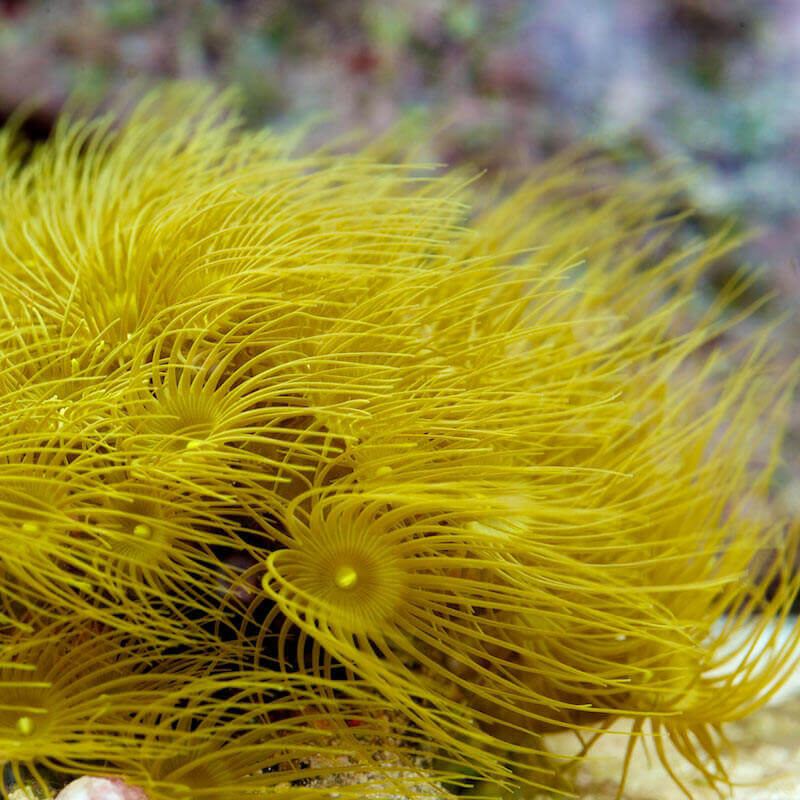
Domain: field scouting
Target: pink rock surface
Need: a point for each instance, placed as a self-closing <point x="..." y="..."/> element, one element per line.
<point x="91" y="788"/>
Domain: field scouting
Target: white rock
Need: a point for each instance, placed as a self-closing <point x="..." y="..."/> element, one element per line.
<point x="91" y="788"/>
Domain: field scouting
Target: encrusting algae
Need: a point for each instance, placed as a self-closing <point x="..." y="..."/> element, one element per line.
<point x="310" y="456"/>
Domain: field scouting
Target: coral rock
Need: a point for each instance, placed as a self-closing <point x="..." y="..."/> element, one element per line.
<point x="92" y="788"/>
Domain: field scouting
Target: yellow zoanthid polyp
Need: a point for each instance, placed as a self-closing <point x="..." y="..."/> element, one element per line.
<point x="70" y="692"/>
<point x="338" y="459"/>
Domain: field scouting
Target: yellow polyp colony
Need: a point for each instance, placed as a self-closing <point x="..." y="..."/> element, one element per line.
<point x="313" y="464"/>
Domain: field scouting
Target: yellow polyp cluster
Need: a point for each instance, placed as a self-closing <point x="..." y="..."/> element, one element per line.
<point x="308" y="459"/>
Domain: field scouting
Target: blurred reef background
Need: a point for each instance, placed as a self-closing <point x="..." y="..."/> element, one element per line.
<point x="714" y="81"/>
